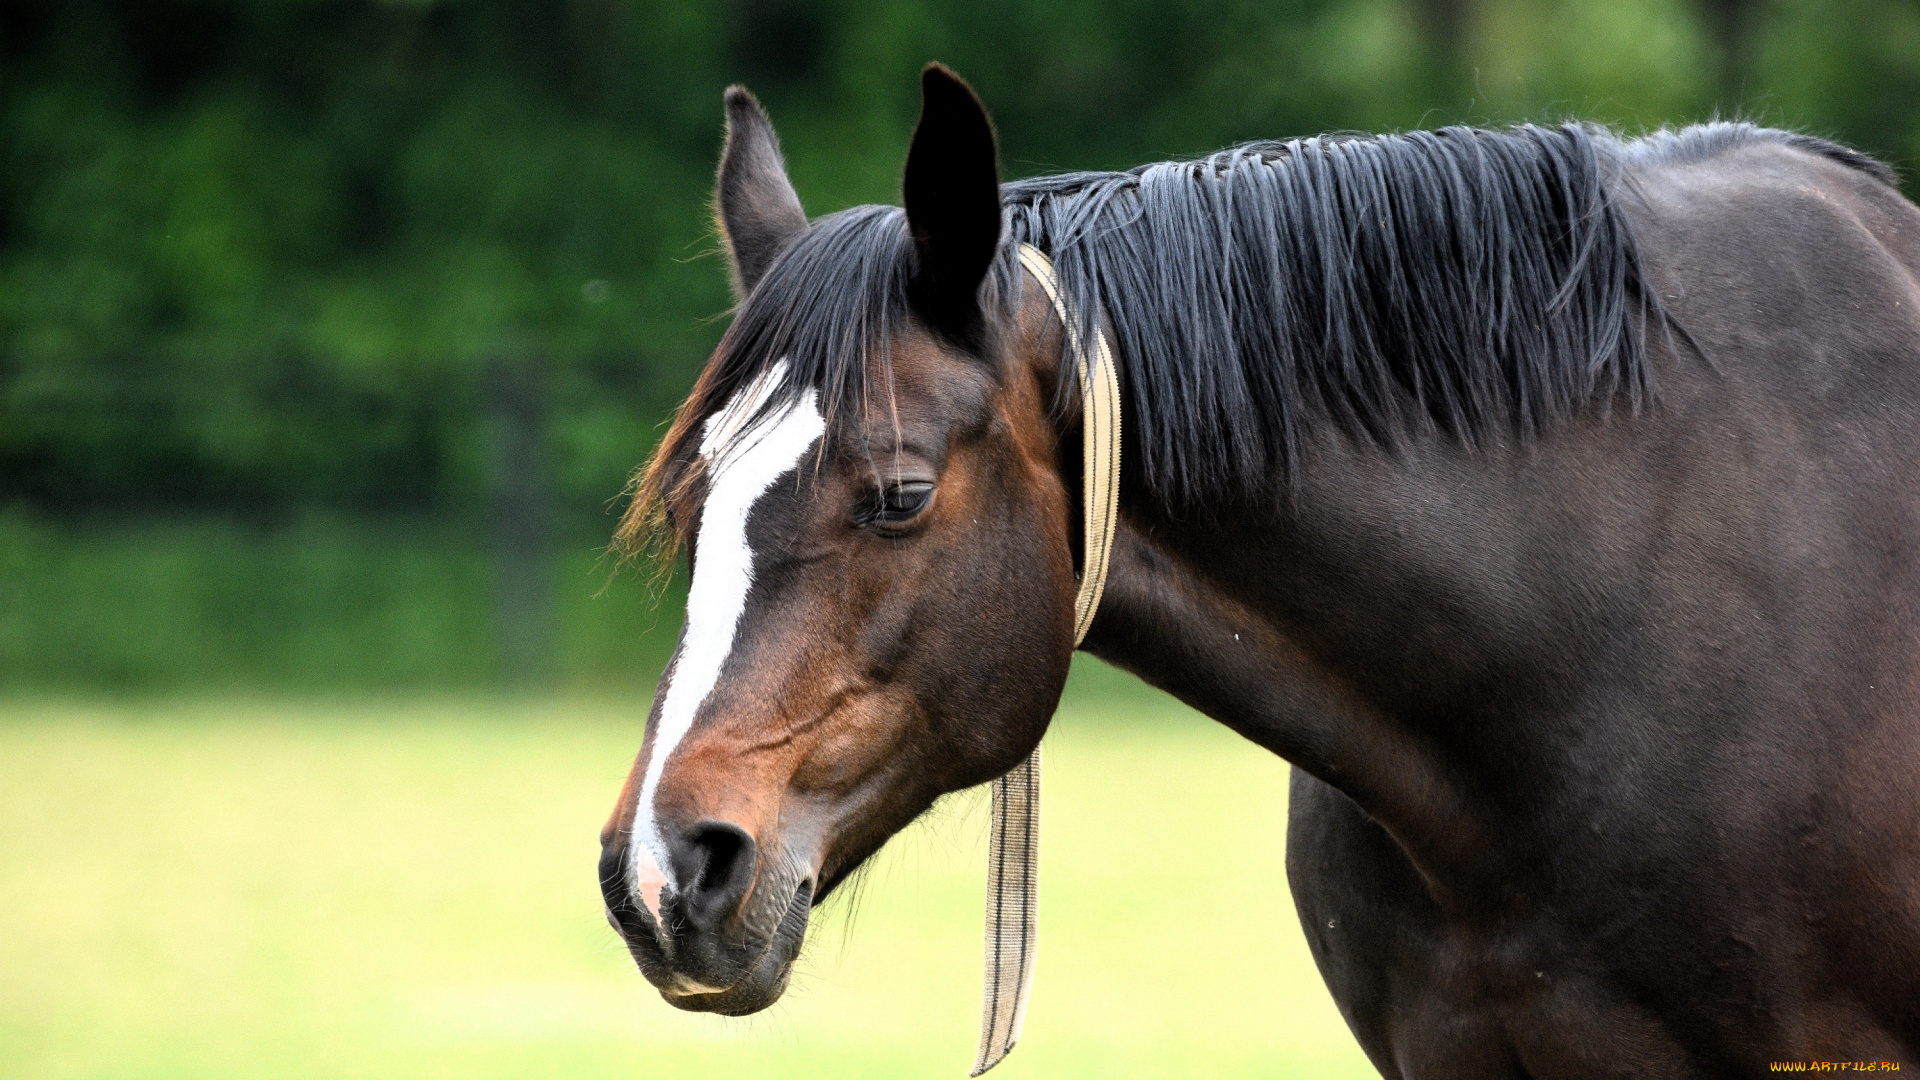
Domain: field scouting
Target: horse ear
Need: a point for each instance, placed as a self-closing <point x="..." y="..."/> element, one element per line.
<point x="754" y="203"/>
<point x="951" y="188"/>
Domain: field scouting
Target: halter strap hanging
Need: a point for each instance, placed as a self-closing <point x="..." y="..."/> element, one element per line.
<point x="1013" y="855"/>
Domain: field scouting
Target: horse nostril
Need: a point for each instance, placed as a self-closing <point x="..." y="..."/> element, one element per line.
<point x="714" y="862"/>
<point x="723" y="847"/>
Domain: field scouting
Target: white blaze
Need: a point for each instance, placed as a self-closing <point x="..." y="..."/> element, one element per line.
<point x="742" y="464"/>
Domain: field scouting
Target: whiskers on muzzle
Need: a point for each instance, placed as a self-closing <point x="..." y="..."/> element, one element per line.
<point x="649" y="942"/>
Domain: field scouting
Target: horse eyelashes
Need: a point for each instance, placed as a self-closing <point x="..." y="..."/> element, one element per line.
<point x="896" y="504"/>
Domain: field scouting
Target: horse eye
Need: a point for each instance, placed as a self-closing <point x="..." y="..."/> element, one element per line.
<point x="899" y="503"/>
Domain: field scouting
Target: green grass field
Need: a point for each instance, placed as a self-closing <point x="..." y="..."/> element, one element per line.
<point x="272" y="888"/>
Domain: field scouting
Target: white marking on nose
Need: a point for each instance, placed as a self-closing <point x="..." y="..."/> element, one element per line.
<point x="743" y="462"/>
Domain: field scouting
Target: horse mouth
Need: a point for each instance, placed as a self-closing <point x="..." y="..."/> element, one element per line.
<point x="764" y="979"/>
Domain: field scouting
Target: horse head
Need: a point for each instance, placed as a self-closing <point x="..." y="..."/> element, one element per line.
<point x="869" y="483"/>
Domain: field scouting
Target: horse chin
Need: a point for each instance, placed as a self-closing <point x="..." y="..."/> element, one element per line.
<point x="748" y="996"/>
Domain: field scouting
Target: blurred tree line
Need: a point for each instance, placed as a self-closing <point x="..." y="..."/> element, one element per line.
<point x="403" y="288"/>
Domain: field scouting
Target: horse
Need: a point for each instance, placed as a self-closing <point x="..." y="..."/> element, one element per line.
<point x="1548" y="498"/>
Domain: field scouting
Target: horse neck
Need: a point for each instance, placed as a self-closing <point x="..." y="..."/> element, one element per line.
<point x="1376" y="626"/>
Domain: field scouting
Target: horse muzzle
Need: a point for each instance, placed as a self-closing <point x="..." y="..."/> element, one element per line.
<point x="729" y="922"/>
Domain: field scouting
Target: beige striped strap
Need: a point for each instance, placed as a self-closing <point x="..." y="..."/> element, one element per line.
<point x="1013" y="871"/>
<point x="1100" y="441"/>
<point x="1013" y="855"/>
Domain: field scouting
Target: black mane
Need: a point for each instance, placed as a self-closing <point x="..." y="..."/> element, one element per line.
<point x="1471" y="278"/>
<point x="1476" y="281"/>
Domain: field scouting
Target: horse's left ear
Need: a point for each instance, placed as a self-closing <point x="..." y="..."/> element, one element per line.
<point x="952" y="192"/>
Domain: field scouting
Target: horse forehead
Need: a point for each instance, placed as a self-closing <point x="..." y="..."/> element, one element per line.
<point x="920" y="410"/>
<point x="928" y="394"/>
<point x="745" y="421"/>
<point x="938" y="381"/>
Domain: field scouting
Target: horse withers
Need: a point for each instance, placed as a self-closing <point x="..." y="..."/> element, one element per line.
<point x="1550" y="501"/>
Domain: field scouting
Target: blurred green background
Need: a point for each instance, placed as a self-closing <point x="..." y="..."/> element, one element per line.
<point x="330" y="331"/>
<point x="222" y="889"/>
